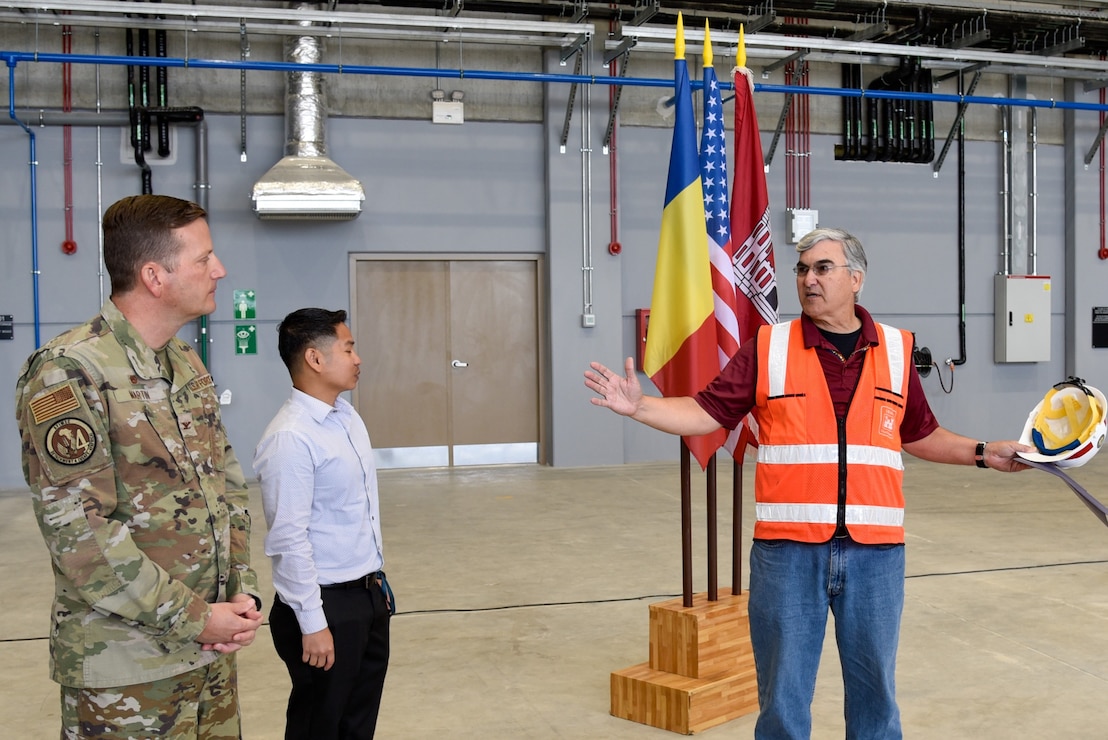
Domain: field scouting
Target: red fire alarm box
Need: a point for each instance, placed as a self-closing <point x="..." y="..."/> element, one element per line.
<point x="642" y="323"/>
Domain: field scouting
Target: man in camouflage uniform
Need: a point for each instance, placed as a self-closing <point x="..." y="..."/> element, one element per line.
<point x="139" y="497"/>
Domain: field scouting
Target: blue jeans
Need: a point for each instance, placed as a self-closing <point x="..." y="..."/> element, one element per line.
<point x="792" y="585"/>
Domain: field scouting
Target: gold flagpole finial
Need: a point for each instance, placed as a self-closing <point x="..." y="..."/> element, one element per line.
<point x="679" y="41"/>
<point x="707" y="45"/>
<point x="740" y="55"/>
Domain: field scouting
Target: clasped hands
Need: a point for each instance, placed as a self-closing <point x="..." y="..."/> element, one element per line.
<point x="232" y="625"/>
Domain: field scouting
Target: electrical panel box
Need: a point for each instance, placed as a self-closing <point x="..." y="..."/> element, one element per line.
<point x="800" y="221"/>
<point x="448" y="111"/>
<point x="1021" y="307"/>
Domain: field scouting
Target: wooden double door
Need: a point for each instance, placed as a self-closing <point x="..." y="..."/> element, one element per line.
<point x="450" y="354"/>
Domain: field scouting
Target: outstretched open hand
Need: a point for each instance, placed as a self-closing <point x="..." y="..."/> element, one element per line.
<point x="620" y="393"/>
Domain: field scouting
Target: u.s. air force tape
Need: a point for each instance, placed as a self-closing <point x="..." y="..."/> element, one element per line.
<point x="70" y="441"/>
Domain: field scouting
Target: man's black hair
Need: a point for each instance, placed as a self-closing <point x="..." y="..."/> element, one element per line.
<point x="305" y="328"/>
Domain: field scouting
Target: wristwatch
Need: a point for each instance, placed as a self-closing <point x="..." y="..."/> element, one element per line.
<point x="979" y="455"/>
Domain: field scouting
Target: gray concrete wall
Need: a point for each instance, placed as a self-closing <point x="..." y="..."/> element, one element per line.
<point x="500" y="184"/>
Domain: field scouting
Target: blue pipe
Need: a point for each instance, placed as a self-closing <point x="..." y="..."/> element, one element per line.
<point x="14" y="57"/>
<point x="34" y="200"/>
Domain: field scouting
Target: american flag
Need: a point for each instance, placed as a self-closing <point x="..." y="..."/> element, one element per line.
<point x="717" y="221"/>
<point x="717" y="216"/>
<point x="743" y="278"/>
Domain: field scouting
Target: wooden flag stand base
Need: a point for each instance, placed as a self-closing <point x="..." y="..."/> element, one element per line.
<point x="701" y="669"/>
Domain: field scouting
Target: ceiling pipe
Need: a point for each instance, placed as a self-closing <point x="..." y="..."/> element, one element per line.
<point x="212" y="18"/>
<point x="69" y="243"/>
<point x="961" y="123"/>
<point x="231" y="19"/>
<point x="162" y="92"/>
<point x="34" y="202"/>
<point x="15" y="57"/>
<point x="660" y="39"/>
<point x="928" y="132"/>
<point x="1102" y="253"/>
<point x="1002" y="10"/>
<point x="1033" y="226"/>
<point x="850" y="132"/>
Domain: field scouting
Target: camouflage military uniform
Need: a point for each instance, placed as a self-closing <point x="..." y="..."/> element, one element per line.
<point x="139" y="497"/>
<point x="201" y="703"/>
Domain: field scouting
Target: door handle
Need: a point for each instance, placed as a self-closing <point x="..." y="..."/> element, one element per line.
<point x="459" y="363"/>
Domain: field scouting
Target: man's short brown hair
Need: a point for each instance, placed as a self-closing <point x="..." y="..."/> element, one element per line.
<point x="139" y="229"/>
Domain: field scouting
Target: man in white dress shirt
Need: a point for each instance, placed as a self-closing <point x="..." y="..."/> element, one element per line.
<point x="330" y="620"/>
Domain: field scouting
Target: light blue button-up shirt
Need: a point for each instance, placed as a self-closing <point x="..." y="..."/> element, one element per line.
<point x="319" y="492"/>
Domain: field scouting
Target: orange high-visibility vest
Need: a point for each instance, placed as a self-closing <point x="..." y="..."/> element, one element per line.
<point x="810" y="469"/>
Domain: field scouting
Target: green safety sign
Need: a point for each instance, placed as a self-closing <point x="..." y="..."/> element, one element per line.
<point x="246" y="339"/>
<point x="244" y="305"/>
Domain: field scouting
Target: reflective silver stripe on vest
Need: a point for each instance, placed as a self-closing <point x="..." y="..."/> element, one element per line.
<point x="778" y="357"/>
<point x="879" y="516"/>
<point x="829" y="454"/>
<point x="895" y="351"/>
<point x="892" y="338"/>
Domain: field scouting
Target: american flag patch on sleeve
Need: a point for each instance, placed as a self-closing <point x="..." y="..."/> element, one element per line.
<point x="55" y="403"/>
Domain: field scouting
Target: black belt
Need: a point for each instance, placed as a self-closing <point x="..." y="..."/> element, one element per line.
<point x="367" y="581"/>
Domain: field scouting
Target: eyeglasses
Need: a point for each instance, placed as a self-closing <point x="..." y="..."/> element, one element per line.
<point x="821" y="269"/>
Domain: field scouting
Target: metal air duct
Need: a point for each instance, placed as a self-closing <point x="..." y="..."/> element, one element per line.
<point x="306" y="185"/>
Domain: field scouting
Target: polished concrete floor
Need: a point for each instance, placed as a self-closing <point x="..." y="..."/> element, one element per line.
<point x="522" y="588"/>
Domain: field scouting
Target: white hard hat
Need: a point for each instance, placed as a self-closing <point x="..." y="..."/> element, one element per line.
<point x="1068" y="426"/>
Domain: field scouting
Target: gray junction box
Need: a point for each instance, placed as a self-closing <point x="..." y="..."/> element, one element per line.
<point x="1021" y="306"/>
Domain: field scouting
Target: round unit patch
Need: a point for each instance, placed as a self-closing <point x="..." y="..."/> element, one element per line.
<point x="70" y="441"/>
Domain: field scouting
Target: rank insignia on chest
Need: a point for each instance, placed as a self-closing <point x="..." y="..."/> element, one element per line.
<point x="186" y="424"/>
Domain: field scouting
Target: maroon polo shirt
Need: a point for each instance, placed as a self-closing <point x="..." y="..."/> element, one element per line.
<point x="730" y="397"/>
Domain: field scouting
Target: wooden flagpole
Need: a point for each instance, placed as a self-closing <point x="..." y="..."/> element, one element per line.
<point x="736" y="527"/>
<point x="686" y="527"/>
<point x="713" y="539"/>
<point x="701" y="668"/>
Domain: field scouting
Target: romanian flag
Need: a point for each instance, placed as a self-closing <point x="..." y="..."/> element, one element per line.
<point x="681" y="354"/>
<point x="752" y="244"/>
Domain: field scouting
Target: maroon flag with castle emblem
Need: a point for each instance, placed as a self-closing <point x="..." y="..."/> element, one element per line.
<point x="752" y="263"/>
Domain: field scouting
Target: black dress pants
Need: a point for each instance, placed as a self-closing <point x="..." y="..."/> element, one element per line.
<point x="342" y="703"/>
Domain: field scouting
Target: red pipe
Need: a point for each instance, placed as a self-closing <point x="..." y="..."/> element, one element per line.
<point x="614" y="247"/>
<point x="69" y="246"/>
<point x="806" y="135"/>
<point x="798" y="179"/>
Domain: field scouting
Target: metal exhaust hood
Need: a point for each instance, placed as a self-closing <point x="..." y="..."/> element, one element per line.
<point x="308" y="189"/>
<point x="306" y="185"/>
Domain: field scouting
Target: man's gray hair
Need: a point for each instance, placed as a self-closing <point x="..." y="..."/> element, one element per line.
<point x="852" y="248"/>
